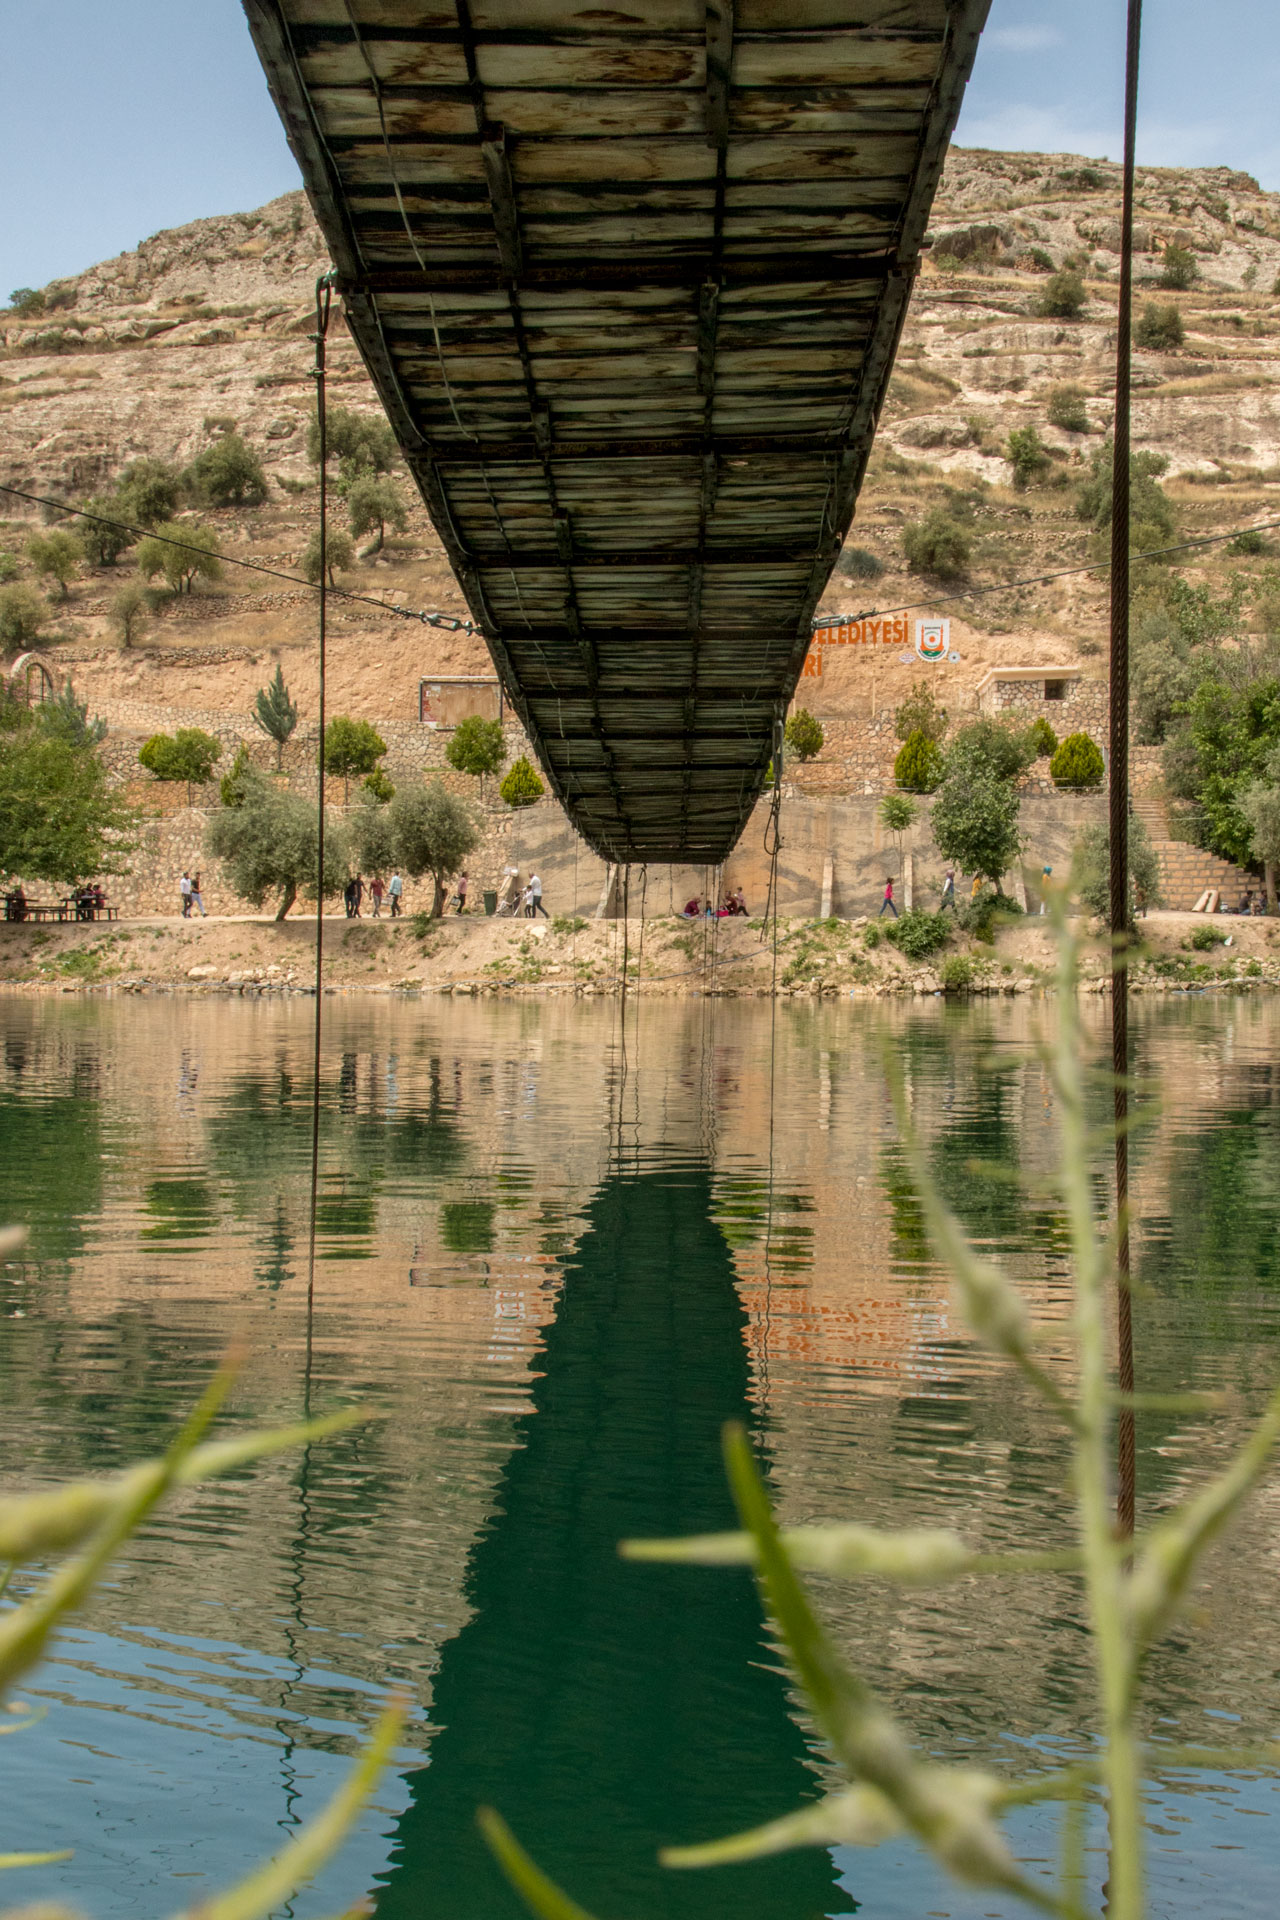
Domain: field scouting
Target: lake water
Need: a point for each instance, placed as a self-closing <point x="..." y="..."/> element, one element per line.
<point x="557" y="1273"/>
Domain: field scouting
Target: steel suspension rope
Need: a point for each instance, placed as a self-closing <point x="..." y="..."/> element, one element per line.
<point x="1118" y="797"/>
<point x="324" y="296"/>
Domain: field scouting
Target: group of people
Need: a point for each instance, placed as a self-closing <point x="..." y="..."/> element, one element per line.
<point x="189" y="893"/>
<point x="732" y="906"/>
<point x="378" y="890"/>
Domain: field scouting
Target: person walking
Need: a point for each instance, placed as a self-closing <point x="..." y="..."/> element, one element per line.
<point x="1046" y="875"/>
<point x="395" y="890"/>
<point x="535" y="898"/>
<point x="376" y="891"/>
<point x="184" y="891"/>
<point x="196" y="900"/>
<point x="888" y="901"/>
<point x="460" y="896"/>
<point x="948" y="891"/>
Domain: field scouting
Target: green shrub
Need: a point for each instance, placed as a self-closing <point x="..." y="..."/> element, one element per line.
<point x="1091" y="869"/>
<point x="1178" y="267"/>
<point x="9" y="568"/>
<point x="23" y="615"/>
<point x="1204" y="938"/>
<point x="920" y="713"/>
<point x="567" y="924"/>
<point x="233" y="786"/>
<point x="102" y="542"/>
<point x="55" y="556"/>
<point x="1159" y="329"/>
<point x="1025" y="453"/>
<point x="1151" y="517"/>
<point x="990" y="746"/>
<point x="187" y="756"/>
<point x="26" y="301"/>
<point x="918" y="934"/>
<point x="182" y="552"/>
<point x="148" y="492"/>
<point x="1077" y="762"/>
<point x="918" y="766"/>
<point x="339" y="554"/>
<point x="980" y="912"/>
<point x="1042" y="738"/>
<point x="522" y="786"/>
<point x="871" y="936"/>
<point x="1064" y="296"/>
<point x="477" y="747"/>
<point x="1040" y="260"/>
<point x="374" y="504"/>
<point x="378" y="786"/>
<point x="1249" y="540"/>
<point x="956" y="973"/>
<point x="352" y="748"/>
<point x="1067" y="409"/>
<point x="227" y="474"/>
<point x="859" y="563"/>
<point x="937" y="545"/>
<point x="803" y="735"/>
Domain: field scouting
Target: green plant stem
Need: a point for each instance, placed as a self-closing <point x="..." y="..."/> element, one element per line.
<point x="1105" y="1578"/>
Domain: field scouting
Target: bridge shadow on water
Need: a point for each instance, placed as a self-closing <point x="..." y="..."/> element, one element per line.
<point x="607" y="1708"/>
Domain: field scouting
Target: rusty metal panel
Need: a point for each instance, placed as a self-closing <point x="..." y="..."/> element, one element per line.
<point x="629" y="283"/>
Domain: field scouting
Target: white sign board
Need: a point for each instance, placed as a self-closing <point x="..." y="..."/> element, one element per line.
<point x="933" y="639"/>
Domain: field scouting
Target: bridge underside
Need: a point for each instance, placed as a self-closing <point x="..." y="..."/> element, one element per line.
<point x="629" y="281"/>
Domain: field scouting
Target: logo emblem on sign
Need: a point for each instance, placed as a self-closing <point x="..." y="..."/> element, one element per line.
<point x="933" y="639"/>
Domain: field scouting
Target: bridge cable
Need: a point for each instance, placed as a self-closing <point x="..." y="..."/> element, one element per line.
<point x="773" y="834"/>
<point x="1119" y="799"/>
<point x="324" y="295"/>
<point x="1039" y="579"/>
<point x="454" y="623"/>
<point x="450" y="622"/>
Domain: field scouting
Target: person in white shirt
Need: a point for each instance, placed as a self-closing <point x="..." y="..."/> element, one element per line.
<point x="184" y="888"/>
<point x="535" y="898"/>
<point x="394" y="891"/>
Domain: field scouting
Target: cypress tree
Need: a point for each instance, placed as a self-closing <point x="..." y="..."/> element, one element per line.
<point x="276" y="714"/>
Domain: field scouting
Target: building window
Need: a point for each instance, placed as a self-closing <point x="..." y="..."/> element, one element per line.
<point x="1055" y="689"/>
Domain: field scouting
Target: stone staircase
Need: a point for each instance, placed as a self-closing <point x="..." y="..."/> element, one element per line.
<point x="1185" y="871"/>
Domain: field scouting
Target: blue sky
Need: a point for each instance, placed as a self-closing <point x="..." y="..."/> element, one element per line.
<point x="119" y="117"/>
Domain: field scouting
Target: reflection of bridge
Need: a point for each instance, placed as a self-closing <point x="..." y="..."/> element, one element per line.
<point x="629" y="281"/>
<point x="605" y="1707"/>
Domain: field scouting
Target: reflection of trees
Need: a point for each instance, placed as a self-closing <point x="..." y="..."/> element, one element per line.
<point x="51" y="1169"/>
<point x="606" y="1707"/>
<point x="259" y="1141"/>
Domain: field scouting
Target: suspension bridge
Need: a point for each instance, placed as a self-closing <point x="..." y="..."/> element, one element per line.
<point x="629" y="280"/>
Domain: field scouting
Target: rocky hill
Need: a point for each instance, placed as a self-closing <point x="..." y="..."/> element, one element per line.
<point x="204" y="329"/>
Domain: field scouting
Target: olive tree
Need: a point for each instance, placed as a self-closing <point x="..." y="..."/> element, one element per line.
<point x="182" y="552"/>
<point x="422" y="829"/>
<point x="267" y="843"/>
<point x="975" y="821"/>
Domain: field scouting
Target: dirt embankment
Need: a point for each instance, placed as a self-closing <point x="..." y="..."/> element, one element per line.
<point x="663" y="958"/>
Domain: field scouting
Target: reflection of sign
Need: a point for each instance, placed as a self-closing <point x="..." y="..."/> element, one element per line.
<point x="933" y="639"/>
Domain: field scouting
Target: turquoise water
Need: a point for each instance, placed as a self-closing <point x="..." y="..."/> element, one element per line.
<point x="556" y="1272"/>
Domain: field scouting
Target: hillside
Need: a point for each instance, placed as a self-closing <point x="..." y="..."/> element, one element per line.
<point x="206" y="327"/>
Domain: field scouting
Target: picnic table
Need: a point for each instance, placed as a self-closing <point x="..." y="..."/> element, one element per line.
<point x="63" y="910"/>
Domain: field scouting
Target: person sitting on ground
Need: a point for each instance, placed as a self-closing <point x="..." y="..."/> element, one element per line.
<point x="726" y="907"/>
<point x="888" y="901"/>
<point x="1259" y="904"/>
<point x="1245" y="902"/>
<point x="692" y="909"/>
